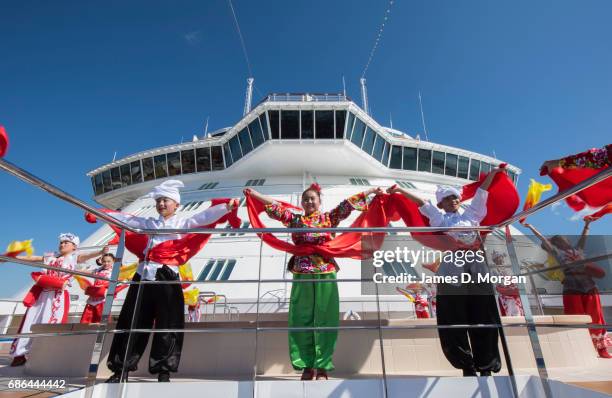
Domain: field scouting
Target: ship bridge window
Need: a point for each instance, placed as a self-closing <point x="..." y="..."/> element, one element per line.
<point x="290" y="125"/>
<point x="340" y="119"/>
<point x="438" y="162"/>
<point x="245" y="141"/>
<point x="485" y="167"/>
<point x="256" y="133"/>
<point x="307" y="119"/>
<point x="208" y="185"/>
<point x="116" y="177"/>
<point x="349" y="126"/>
<point x="188" y="164"/>
<point x="203" y="159"/>
<point x="221" y="269"/>
<point x="99" y="187"/>
<point x="106" y="181"/>
<point x="234" y="145"/>
<point x="255" y="183"/>
<point x="264" y="125"/>
<point x="325" y="124"/>
<point x="425" y="160"/>
<point x="386" y="154"/>
<point x="227" y="271"/>
<point x="126" y="179"/>
<point x="450" y="169"/>
<point x="379" y="147"/>
<point x="245" y="224"/>
<point x="217" y="158"/>
<point x="161" y="166"/>
<point x="396" y="157"/>
<point x="474" y="169"/>
<point x="410" y="159"/>
<point x="358" y="131"/>
<point x="174" y="163"/>
<point x="359" y="181"/>
<point x="368" y="141"/>
<point x="274" y="124"/>
<point x="228" y="155"/>
<point x="405" y="184"/>
<point x="136" y="172"/>
<point x="512" y="176"/>
<point x="463" y="167"/>
<point x="147" y="169"/>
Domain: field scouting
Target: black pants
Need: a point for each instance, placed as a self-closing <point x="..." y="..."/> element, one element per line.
<point x="474" y="348"/>
<point x="161" y="305"/>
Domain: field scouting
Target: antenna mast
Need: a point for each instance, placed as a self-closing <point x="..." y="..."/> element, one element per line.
<point x="249" y="96"/>
<point x="423" y="118"/>
<point x="364" y="95"/>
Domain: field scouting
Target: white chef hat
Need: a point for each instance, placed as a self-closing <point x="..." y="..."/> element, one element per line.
<point x="69" y="237"/>
<point x="167" y="189"/>
<point x="444" y="191"/>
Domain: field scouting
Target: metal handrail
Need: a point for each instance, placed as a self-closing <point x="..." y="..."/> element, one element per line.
<point x="45" y="186"/>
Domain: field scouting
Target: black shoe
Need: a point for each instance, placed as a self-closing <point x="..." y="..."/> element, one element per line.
<point x="115" y="378"/>
<point x="19" y="360"/>
<point x="485" y="373"/>
<point x="469" y="372"/>
<point x="163" y="376"/>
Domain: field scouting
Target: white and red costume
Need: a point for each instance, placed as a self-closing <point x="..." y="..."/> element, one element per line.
<point x="96" y="293"/>
<point x="48" y="300"/>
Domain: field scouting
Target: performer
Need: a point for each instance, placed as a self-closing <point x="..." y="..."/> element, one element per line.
<point x="95" y="302"/>
<point x="313" y="304"/>
<point x="508" y="299"/>
<point x="580" y="293"/>
<point x="474" y="349"/>
<point x="48" y="301"/>
<point x="162" y="305"/>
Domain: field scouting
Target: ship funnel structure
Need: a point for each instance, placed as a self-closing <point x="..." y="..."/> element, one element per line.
<point x="249" y="96"/>
<point x="364" y="95"/>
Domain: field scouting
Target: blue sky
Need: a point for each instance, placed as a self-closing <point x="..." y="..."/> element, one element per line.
<point x="78" y="81"/>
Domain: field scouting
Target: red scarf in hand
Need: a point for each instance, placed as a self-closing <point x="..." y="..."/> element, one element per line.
<point x="596" y="195"/>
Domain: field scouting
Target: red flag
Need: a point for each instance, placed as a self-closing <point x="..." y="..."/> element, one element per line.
<point x="596" y="195"/>
<point x="4" y="141"/>
<point x="607" y="209"/>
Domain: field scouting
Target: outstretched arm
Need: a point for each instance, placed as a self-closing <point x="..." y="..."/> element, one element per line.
<point x="489" y="179"/>
<point x="583" y="236"/>
<point x="266" y="200"/>
<point x="545" y="242"/>
<point x="88" y="256"/>
<point x="397" y="189"/>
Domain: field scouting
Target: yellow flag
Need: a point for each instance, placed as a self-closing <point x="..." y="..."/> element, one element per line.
<point x="191" y="296"/>
<point x="534" y="194"/>
<point x="127" y="271"/>
<point x="185" y="272"/>
<point x="16" y="247"/>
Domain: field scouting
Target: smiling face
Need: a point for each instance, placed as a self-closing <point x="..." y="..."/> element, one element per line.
<point x="107" y="261"/>
<point x="66" y="247"/>
<point x="450" y="204"/>
<point x="310" y="201"/>
<point x="166" y="207"/>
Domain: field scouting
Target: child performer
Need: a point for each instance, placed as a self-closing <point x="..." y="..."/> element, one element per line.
<point x="580" y="293"/>
<point x="162" y="304"/>
<point x="463" y="303"/>
<point x="95" y="303"/>
<point x="48" y="301"/>
<point x="313" y="304"/>
<point x="508" y="299"/>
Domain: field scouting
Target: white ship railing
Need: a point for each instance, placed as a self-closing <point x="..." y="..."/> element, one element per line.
<point x="104" y="328"/>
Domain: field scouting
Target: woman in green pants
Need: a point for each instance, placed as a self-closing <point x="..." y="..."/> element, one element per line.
<point x="313" y="304"/>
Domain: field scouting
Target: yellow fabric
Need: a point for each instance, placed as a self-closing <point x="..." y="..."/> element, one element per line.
<point x="191" y="296"/>
<point x="16" y="247"/>
<point x="127" y="271"/>
<point x="185" y="272"/>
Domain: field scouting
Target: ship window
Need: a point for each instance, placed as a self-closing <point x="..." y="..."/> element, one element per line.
<point x="264" y="125"/>
<point x="197" y="205"/>
<point x="386" y="153"/>
<point x="255" y="183"/>
<point x="235" y="148"/>
<point x="161" y="167"/>
<point x="245" y="224"/>
<point x="216" y="270"/>
<point x="256" y="133"/>
<point x="206" y="270"/>
<point x="379" y="146"/>
<point x="325" y="124"/>
<point x="340" y="119"/>
<point x="405" y="184"/>
<point x="203" y="159"/>
<point x="474" y="169"/>
<point x="485" y="167"/>
<point x="410" y="159"/>
<point x="209" y="185"/>
<point x="512" y="176"/>
<point x="358" y="130"/>
<point x="106" y="180"/>
<point x="136" y="172"/>
<point x="450" y="169"/>
<point x="116" y="177"/>
<point x="231" y="263"/>
<point x="290" y="125"/>
<point x="228" y="155"/>
<point x="98" y="184"/>
<point x="147" y="169"/>
<point x="359" y="181"/>
<point x="396" y="157"/>
<point x="188" y="161"/>
<point x="425" y="160"/>
<point x="245" y="141"/>
<point x="174" y="163"/>
<point x="438" y="162"/>
<point x="463" y="167"/>
<point x="368" y="141"/>
<point x="126" y="179"/>
<point x="274" y="124"/>
<point x="349" y="126"/>
<point x="307" y="125"/>
<point x="217" y="158"/>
